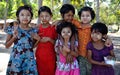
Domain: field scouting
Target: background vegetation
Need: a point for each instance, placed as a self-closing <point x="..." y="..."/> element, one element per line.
<point x="109" y="10"/>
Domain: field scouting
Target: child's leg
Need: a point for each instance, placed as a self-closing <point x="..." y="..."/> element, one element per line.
<point x="85" y="66"/>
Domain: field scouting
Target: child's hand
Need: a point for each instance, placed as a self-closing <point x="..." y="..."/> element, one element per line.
<point x="111" y="58"/>
<point x="108" y="42"/>
<point x="15" y="34"/>
<point x="66" y="49"/>
<point x="45" y="39"/>
<point x="69" y="58"/>
<point x="107" y="65"/>
<point x="35" y="36"/>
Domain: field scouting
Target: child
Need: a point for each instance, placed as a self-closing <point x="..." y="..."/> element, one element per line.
<point x="67" y="12"/>
<point x="66" y="30"/>
<point x="45" y="53"/>
<point x="22" y="60"/>
<point x="86" y="14"/>
<point x="97" y="50"/>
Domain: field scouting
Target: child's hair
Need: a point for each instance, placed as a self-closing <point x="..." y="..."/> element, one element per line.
<point x="100" y="27"/>
<point x="66" y="8"/>
<point x="65" y="24"/>
<point x="44" y="9"/>
<point x="86" y="8"/>
<point x="11" y="24"/>
<point x="25" y="7"/>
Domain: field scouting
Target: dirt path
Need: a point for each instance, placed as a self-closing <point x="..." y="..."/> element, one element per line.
<point x="4" y="53"/>
<point x="116" y="41"/>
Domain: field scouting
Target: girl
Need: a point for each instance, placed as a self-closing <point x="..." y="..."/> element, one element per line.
<point x="45" y="53"/>
<point x="86" y="14"/>
<point x="67" y="12"/>
<point x="97" y="51"/>
<point x="66" y="30"/>
<point x="22" y="60"/>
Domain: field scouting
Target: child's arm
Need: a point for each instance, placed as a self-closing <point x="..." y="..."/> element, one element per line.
<point x="70" y="55"/>
<point x="61" y="49"/>
<point x="9" y="40"/>
<point x="74" y="53"/>
<point x="47" y="39"/>
<point x="65" y="50"/>
<point x="51" y="40"/>
<point x="36" y="37"/>
<point x="112" y="55"/>
<point x="55" y="23"/>
<point x="95" y="62"/>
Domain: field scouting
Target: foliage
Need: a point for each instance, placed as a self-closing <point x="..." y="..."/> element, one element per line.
<point x="78" y="4"/>
<point x="2" y="9"/>
<point x="109" y="9"/>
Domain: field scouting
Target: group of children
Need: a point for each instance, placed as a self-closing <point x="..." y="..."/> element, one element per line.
<point x="74" y="42"/>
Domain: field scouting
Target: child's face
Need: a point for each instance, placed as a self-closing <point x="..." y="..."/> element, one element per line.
<point x="24" y="16"/>
<point x="45" y="17"/>
<point x="68" y="16"/>
<point x="96" y="36"/>
<point x="85" y="17"/>
<point x="66" y="33"/>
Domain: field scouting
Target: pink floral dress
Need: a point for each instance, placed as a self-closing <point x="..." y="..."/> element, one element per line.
<point x="64" y="68"/>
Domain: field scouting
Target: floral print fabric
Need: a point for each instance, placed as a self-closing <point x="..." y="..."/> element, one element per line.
<point x="22" y="60"/>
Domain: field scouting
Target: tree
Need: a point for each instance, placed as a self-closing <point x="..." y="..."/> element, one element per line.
<point x="5" y="16"/>
<point x="40" y="3"/>
<point x="97" y="11"/>
<point x="2" y="9"/>
<point x="66" y="1"/>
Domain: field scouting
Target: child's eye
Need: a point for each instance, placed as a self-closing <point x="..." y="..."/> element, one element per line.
<point x="68" y="31"/>
<point x="22" y="14"/>
<point x="87" y="15"/>
<point x="63" y="32"/>
<point x="41" y="16"/>
<point x="28" y="15"/>
<point x="82" y="15"/>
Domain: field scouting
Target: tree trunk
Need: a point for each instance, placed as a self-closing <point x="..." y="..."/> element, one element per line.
<point x="39" y="5"/>
<point x="66" y="1"/>
<point x="97" y="11"/>
<point x="52" y="5"/>
<point x="5" y="16"/>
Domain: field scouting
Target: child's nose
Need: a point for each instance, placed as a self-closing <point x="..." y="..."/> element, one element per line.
<point x="25" y="16"/>
<point x="44" y="18"/>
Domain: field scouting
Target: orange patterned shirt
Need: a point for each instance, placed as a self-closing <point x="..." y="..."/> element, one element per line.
<point x="84" y="36"/>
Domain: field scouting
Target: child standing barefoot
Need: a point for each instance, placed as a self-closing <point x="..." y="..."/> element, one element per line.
<point x="97" y="51"/>
<point x="22" y="60"/>
<point x="45" y="53"/>
<point x="63" y="46"/>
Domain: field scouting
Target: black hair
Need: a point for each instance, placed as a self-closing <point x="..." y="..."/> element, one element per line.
<point x="11" y="24"/>
<point x="100" y="27"/>
<point x="65" y="24"/>
<point x="44" y="9"/>
<point x="86" y="8"/>
<point x="25" y="7"/>
<point x="66" y="8"/>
